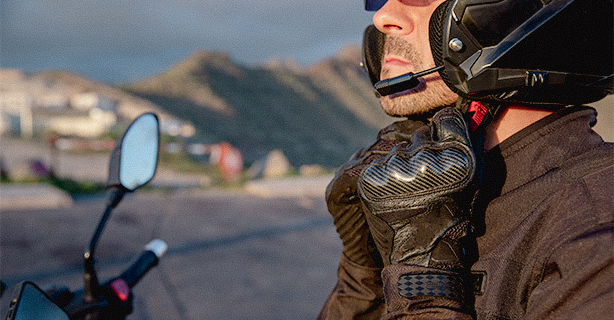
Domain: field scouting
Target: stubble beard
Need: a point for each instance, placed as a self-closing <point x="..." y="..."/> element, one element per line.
<point x="428" y="96"/>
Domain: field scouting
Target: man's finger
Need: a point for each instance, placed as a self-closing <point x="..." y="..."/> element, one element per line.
<point x="449" y="125"/>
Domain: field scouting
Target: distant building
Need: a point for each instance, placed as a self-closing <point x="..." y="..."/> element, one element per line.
<point x="34" y="107"/>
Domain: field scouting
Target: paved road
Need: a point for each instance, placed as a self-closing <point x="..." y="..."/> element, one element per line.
<point x="231" y="255"/>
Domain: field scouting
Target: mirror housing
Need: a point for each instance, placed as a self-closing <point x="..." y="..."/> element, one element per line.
<point x="135" y="156"/>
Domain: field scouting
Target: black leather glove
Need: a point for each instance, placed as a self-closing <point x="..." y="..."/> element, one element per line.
<point x="358" y="293"/>
<point x="344" y="202"/>
<point x="417" y="202"/>
<point x="417" y="195"/>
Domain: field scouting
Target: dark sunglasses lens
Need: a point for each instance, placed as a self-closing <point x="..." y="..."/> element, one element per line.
<point x="374" y="5"/>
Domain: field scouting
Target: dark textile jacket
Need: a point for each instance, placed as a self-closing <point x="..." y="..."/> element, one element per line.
<point x="545" y="221"/>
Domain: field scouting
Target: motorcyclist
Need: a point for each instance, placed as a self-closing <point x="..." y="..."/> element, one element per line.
<point x="502" y="206"/>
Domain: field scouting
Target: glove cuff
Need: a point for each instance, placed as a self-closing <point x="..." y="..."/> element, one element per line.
<point x="359" y="283"/>
<point x="358" y="293"/>
<point x="409" y="287"/>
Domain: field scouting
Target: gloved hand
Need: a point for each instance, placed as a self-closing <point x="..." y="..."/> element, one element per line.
<point x="417" y="202"/>
<point x="344" y="202"/>
<point x="358" y="293"/>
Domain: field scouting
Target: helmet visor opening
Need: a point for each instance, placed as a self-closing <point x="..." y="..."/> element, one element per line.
<point x="374" y="5"/>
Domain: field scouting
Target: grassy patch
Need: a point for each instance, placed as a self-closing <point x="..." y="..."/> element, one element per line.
<point x="75" y="187"/>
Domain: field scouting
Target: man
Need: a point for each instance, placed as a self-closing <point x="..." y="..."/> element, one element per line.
<point x="505" y="213"/>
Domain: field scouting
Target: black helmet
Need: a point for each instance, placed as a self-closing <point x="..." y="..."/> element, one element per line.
<point x="372" y="52"/>
<point x="556" y="52"/>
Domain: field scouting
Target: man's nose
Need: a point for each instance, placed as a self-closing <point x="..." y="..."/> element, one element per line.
<point x="393" y="18"/>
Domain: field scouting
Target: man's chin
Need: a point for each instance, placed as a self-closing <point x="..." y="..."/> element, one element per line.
<point x="398" y="109"/>
<point x="417" y="101"/>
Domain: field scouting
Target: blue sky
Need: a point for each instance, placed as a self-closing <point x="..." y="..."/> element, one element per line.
<point x="117" y="41"/>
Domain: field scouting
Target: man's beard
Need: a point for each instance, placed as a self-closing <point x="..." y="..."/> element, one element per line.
<point x="428" y="96"/>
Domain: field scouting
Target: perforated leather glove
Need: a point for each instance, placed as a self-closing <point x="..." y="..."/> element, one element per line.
<point x="418" y="199"/>
<point x="358" y="293"/>
<point x="344" y="202"/>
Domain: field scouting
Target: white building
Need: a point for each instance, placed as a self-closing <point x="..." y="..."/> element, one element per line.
<point x="34" y="107"/>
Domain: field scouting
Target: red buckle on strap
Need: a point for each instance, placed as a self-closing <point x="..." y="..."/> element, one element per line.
<point x="479" y="112"/>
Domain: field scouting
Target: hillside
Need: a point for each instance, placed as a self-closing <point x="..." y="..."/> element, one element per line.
<point x="320" y="114"/>
<point x="129" y="106"/>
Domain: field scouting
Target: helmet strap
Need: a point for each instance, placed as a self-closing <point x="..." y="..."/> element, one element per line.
<point x="478" y="113"/>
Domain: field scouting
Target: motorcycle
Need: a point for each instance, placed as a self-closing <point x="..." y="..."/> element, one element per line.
<point x="133" y="164"/>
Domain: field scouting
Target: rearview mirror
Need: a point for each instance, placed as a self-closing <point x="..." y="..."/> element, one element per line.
<point x="29" y="302"/>
<point x="135" y="156"/>
<point x="133" y="164"/>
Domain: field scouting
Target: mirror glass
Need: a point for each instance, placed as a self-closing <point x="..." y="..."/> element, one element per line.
<point x="139" y="152"/>
<point x="34" y="304"/>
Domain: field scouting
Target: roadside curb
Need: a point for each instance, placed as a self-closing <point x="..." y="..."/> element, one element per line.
<point x="32" y="196"/>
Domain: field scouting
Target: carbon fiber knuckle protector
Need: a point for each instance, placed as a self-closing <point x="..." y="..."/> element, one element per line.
<point x="415" y="195"/>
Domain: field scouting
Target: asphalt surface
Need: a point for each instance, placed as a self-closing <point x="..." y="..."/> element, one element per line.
<point x="232" y="254"/>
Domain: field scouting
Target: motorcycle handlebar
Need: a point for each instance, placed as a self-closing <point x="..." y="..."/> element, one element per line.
<point x="152" y="252"/>
<point x="118" y="287"/>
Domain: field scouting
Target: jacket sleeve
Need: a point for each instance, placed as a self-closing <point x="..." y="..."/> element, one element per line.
<point x="358" y="293"/>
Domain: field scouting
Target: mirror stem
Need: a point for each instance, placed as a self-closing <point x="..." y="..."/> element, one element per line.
<point x="115" y="195"/>
<point x="90" y="279"/>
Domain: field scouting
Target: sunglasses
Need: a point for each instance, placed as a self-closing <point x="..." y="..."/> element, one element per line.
<point x="374" y="5"/>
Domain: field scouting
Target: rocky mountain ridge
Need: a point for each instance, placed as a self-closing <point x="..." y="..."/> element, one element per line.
<point x="318" y="114"/>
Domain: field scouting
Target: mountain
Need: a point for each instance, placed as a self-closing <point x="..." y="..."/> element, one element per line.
<point x="318" y="114"/>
